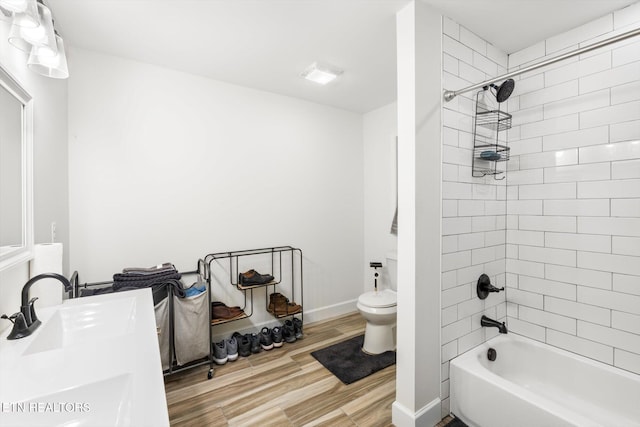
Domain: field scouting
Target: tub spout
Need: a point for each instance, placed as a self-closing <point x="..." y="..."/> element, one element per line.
<point x="486" y="321"/>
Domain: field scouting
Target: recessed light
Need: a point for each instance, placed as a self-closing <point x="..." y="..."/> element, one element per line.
<point x="321" y="73"/>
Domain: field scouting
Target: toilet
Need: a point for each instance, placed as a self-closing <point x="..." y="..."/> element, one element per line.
<point x="379" y="309"/>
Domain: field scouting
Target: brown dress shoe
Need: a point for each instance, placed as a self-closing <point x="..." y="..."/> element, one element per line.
<point x="221" y="311"/>
<point x="280" y="305"/>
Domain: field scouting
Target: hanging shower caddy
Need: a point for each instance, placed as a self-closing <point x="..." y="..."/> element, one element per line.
<point x="489" y="150"/>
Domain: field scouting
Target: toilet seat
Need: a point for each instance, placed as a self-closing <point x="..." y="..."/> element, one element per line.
<point x="379" y="299"/>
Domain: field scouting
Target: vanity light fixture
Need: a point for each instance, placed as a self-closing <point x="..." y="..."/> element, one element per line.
<point x="43" y="43"/>
<point x="41" y="35"/>
<point x="321" y="73"/>
<point x="43" y="62"/>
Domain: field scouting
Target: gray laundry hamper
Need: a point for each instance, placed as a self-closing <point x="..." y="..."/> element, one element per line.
<point x="191" y="327"/>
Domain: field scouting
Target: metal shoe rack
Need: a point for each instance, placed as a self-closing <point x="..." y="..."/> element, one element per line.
<point x="202" y="271"/>
<point x="488" y="152"/>
<point x="235" y="262"/>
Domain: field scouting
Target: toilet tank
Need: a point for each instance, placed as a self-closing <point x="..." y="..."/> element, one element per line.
<point x="392" y="269"/>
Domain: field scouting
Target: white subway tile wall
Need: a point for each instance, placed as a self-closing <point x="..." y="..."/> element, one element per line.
<point x="474" y="222"/>
<point x="573" y="234"/>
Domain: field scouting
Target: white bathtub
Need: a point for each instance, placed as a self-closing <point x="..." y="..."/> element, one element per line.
<point x="537" y="385"/>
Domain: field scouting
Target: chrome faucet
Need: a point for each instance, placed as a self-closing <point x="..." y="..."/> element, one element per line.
<point x="485" y="321"/>
<point x="26" y="321"/>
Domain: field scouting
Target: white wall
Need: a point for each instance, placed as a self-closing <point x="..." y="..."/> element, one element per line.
<point x="574" y="195"/>
<point x="379" y="134"/>
<point x="473" y="208"/>
<point x="168" y="166"/>
<point x="50" y="185"/>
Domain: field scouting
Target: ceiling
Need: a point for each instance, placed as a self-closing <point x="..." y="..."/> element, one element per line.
<point x="266" y="44"/>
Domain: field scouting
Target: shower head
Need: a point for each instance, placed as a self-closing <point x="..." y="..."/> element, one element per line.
<point x="503" y="92"/>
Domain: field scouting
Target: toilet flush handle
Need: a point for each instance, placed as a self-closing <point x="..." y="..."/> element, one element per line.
<point x="375" y="265"/>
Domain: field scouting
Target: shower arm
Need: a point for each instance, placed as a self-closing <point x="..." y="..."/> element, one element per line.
<point x="450" y="94"/>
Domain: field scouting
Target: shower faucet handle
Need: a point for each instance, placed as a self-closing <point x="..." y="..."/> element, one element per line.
<point x="484" y="287"/>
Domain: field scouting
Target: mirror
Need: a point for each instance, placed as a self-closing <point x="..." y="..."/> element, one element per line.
<point x="16" y="130"/>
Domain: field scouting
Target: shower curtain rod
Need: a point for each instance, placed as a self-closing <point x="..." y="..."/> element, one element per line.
<point x="450" y="94"/>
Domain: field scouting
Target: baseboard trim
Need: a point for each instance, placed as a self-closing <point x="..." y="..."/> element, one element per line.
<point x="330" y="311"/>
<point x="427" y="416"/>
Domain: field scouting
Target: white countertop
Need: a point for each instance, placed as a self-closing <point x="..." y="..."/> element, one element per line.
<point x="94" y="361"/>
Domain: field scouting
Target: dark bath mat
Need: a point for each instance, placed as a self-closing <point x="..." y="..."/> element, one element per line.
<point x="349" y="363"/>
<point x="456" y="422"/>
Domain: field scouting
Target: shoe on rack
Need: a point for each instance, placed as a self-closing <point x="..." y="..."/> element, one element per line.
<point x="252" y="277"/>
<point x="220" y="353"/>
<point x="255" y="342"/>
<point x="276" y="336"/>
<point x="231" y="345"/>
<point x="219" y="310"/>
<point x="265" y="339"/>
<point x="244" y="344"/>
<point x="297" y="326"/>
<point x="289" y="331"/>
<point x="280" y="305"/>
<point x="277" y="299"/>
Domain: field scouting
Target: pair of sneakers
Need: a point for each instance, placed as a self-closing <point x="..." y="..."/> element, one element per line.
<point x="292" y="330"/>
<point x="247" y="343"/>
<point x="225" y="351"/>
<point x="270" y="338"/>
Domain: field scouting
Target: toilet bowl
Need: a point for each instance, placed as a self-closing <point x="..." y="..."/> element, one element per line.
<point x="379" y="309"/>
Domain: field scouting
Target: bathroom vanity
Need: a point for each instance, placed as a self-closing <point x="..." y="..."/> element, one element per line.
<point x="94" y="361"/>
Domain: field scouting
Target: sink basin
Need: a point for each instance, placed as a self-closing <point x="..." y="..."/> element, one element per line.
<point x="94" y="361"/>
<point x="100" y="403"/>
<point x="81" y="324"/>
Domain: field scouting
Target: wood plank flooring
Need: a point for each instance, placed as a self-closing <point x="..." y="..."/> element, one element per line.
<point x="283" y="387"/>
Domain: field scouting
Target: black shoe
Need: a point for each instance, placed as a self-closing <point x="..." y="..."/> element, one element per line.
<point x="244" y="344"/>
<point x="289" y="331"/>
<point x="276" y="336"/>
<point x="265" y="339"/>
<point x="255" y="342"/>
<point x="252" y="277"/>
<point x="297" y="326"/>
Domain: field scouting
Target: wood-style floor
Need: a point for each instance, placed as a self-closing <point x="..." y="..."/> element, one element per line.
<point x="283" y="387"/>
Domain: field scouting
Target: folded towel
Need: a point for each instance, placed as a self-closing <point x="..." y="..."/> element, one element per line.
<point x="126" y="277"/>
<point x="129" y="279"/>
<point x="171" y="280"/>
<point x="167" y="266"/>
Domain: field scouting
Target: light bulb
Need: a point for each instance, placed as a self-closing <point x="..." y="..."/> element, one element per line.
<point x="36" y="36"/>
<point x="28" y="17"/>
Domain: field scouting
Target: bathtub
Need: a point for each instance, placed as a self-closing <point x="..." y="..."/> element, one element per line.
<point x="537" y="385"/>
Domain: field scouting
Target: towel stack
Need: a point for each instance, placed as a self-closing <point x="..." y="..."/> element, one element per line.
<point x="137" y="278"/>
